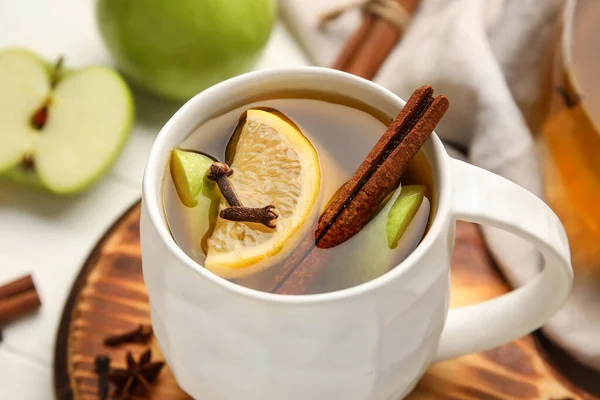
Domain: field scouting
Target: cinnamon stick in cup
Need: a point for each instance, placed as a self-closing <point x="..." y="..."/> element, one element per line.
<point x="354" y="204"/>
<point x="380" y="172"/>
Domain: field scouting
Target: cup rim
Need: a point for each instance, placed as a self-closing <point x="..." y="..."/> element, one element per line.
<point x="151" y="192"/>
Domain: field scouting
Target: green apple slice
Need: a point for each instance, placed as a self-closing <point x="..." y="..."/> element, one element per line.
<point x="192" y="224"/>
<point x="90" y="113"/>
<point x="189" y="170"/>
<point x="403" y="211"/>
<point x="24" y="86"/>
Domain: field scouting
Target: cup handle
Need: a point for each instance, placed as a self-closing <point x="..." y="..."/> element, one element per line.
<point x="486" y="198"/>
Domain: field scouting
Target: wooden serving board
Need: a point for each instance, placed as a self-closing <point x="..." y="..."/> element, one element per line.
<point x="109" y="297"/>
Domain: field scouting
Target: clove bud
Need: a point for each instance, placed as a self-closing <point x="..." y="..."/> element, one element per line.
<point x="220" y="173"/>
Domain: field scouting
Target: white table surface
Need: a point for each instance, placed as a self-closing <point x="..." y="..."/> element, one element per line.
<point x="49" y="236"/>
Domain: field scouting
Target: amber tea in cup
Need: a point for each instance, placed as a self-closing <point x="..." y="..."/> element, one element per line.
<point x="251" y="194"/>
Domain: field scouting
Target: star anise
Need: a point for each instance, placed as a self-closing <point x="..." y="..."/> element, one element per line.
<point x="137" y="374"/>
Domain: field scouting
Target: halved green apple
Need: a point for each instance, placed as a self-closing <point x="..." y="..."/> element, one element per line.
<point x="88" y="116"/>
<point x="403" y="211"/>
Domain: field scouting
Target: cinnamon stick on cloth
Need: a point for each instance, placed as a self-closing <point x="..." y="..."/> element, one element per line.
<point x="323" y="27"/>
<point x="383" y="23"/>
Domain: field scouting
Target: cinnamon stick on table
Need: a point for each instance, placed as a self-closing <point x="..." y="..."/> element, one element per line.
<point x="381" y="28"/>
<point x="17" y="286"/>
<point x="17" y="298"/>
<point x="354" y="204"/>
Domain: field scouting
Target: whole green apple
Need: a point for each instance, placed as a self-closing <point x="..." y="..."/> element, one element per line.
<point x="177" y="48"/>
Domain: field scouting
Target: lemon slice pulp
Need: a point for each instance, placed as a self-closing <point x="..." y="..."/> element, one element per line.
<point x="273" y="163"/>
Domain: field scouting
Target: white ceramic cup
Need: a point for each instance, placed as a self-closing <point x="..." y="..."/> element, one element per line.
<point x="373" y="341"/>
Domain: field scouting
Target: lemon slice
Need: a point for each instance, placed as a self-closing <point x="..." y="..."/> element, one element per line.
<point x="273" y="163"/>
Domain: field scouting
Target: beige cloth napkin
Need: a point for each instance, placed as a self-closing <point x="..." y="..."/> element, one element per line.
<point x="486" y="56"/>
